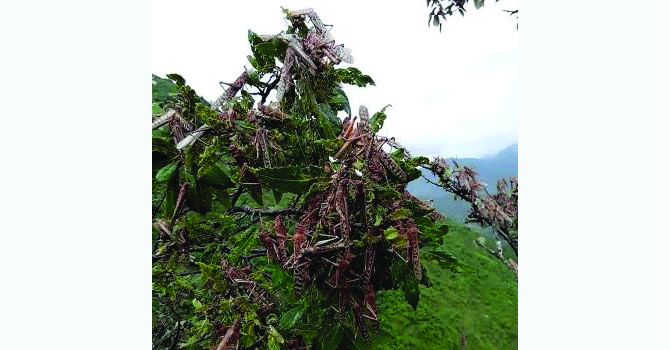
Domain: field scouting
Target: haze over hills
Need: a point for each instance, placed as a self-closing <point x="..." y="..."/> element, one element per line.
<point x="490" y="168"/>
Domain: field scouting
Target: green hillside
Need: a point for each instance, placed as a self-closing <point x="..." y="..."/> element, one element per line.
<point x="473" y="295"/>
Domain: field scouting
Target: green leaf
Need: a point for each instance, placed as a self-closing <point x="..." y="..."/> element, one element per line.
<point x="377" y="120"/>
<point x="249" y="337"/>
<point x="274" y="338"/>
<point x="290" y="317"/>
<point x="163" y="146"/>
<point x="199" y="196"/>
<point x="403" y="279"/>
<point x="332" y="145"/>
<point x="166" y="172"/>
<point x="333" y="338"/>
<point x="253" y="38"/>
<point x="314" y="189"/>
<point x="401" y="213"/>
<point x="416" y="161"/>
<point x="353" y="76"/>
<point x="248" y="241"/>
<point x="339" y="101"/>
<point x="156" y="109"/>
<point x="277" y="195"/>
<point x="416" y="209"/>
<point x="391" y="234"/>
<point x="412" y="173"/>
<point x="178" y="79"/>
<point x="479" y="4"/>
<point x="292" y="179"/>
<point x="172" y="189"/>
<point x="215" y="176"/>
<point x="432" y="235"/>
<point x="256" y="193"/>
<point x="445" y="261"/>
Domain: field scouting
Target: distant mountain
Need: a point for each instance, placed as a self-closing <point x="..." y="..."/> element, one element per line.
<point x="490" y="169"/>
<point x="162" y="90"/>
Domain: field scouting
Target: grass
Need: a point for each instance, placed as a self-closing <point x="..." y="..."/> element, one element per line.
<point x="477" y="300"/>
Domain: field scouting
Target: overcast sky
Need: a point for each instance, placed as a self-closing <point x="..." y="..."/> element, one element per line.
<point x="454" y="93"/>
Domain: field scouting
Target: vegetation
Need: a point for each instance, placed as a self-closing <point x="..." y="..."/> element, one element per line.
<point x="472" y="303"/>
<point x="490" y="169"/>
<point x="279" y="225"/>
<point x="440" y="9"/>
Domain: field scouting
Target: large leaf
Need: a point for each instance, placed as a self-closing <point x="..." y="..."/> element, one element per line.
<point x="445" y="261"/>
<point x="172" y="192"/>
<point x="200" y="197"/>
<point x="339" y="101"/>
<point x="332" y="338"/>
<point x="223" y="197"/>
<point x="247" y="336"/>
<point x="332" y="145"/>
<point x="264" y="52"/>
<point x="353" y="76"/>
<point x="377" y="120"/>
<point x="166" y="172"/>
<point x="274" y="338"/>
<point x="403" y="279"/>
<point x="314" y="189"/>
<point x="248" y="241"/>
<point x="290" y="317"/>
<point x="277" y="196"/>
<point x="215" y="176"/>
<point x="163" y="146"/>
<point x="292" y="179"/>
<point x="432" y="235"/>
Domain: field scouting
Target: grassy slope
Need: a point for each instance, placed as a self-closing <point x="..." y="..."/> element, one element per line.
<point x="480" y="302"/>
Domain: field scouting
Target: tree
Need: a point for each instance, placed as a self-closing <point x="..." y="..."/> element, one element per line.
<point x="439" y="12"/>
<point x="499" y="211"/>
<point x="275" y="224"/>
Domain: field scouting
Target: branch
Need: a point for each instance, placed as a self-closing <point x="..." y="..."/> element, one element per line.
<point x="255" y="255"/>
<point x="509" y="263"/>
<point x="476" y="212"/>
<point x="269" y="89"/>
<point x="267" y="212"/>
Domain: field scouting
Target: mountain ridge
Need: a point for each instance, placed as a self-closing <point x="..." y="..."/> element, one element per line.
<point x="490" y="169"/>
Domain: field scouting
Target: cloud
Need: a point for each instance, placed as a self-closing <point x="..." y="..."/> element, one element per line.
<point x="453" y="93"/>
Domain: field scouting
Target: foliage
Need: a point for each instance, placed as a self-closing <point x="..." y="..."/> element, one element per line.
<point x="499" y="211"/>
<point x="472" y="303"/>
<point x="277" y="224"/>
<point x="441" y="9"/>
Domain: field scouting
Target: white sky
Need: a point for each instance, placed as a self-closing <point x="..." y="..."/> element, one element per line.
<point x="453" y="93"/>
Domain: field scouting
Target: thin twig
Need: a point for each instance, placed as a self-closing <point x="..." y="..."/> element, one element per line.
<point x="267" y="212"/>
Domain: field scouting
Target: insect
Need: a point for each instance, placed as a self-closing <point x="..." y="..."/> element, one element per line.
<point x="301" y="276"/>
<point x="360" y="323"/>
<point x="413" y="249"/>
<point x="273" y="254"/>
<point x="369" y="263"/>
<point x="371" y="306"/>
